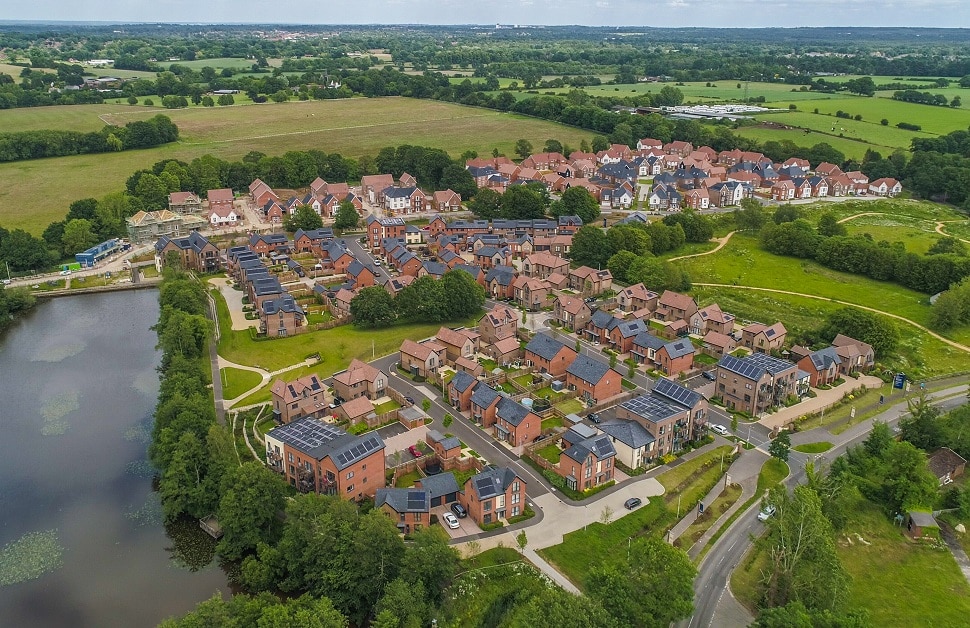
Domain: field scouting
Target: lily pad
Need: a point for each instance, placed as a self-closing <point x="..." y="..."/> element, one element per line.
<point x="30" y="557"/>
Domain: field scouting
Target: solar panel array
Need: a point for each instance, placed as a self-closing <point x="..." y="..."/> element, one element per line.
<point x="769" y="362"/>
<point x="650" y="407"/>
<point x="308" y="434"/>
<point x="744" y="367"/>
<point x="358" y="451"/>
<point x="417" y="500"/>
<point x="676" y="392"/>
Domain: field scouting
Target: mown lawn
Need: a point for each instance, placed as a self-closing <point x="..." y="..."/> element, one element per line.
<point x="237" y="381"/>
<point x="336" y="347"/>
<point x="813" y="448"/>
<point x="850" y="148"/>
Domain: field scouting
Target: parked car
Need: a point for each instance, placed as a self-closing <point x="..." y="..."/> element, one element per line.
<point x="632" y="503"/>
<point x="414" y="451"/>
<point x="595" y="418"/>
<point x="766" y="512"/>
<point x="451" y="520"/>
<point x="719" y="429"/>
<point x="410" y="400"/>
<point x="590" y="299"/>
<point x="709" y="375"/>
<point x="459" y="510"/>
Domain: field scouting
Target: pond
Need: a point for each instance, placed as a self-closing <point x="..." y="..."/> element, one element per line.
<point x="81" y="535"/>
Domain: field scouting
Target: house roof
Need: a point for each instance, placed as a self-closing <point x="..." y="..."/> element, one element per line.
<point x="484" y="395"/>
<point x="462" y="381"/>
<point x="544" y="346"/>
<point x="511" y="411"/>
<point x="630" y="433"/>
<point x="284" y="303"/>
<point x="571" y="304"/>
<point x="315" y="438"/>
<point x="492" y="481"/>
<point x="676" y="300"/>
<point x="420" y="350"/>
<point x="648" y="340"/>
<point x="717" y="339"/>
<point x="600" y="446"/>
<point x="441" y="484"/>
<point x="588" y="369"/>
<point x="358" y="407"/>
<point x="754" y="366"/>
<point x="504" y="275"/>
<point x="653" y="408"/>
<point x="448" y="442"/>
<point x="944" y="460"/>
<point x="295" y="389"/>
<point x="923" y="519"/>
<point x="823" y="359"/>
<point x="507" y="345"/>
<point x="403" y="500"/>
<point x="451" y="337"/>
<point x="676" y="393"/>
<point x="632" y="328"/>
<point x="357" y="372"/>
<point x="602" y="319"/>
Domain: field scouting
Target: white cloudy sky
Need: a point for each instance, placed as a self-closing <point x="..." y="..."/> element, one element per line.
<point x="716" y="13"/>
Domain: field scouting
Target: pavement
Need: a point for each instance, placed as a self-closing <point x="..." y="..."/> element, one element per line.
<point x="233" y="299"/>
<point x="963" y="561"/>
<point x="823" y="399"/>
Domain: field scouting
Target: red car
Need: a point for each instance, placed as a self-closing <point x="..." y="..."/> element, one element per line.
<point x="413" y="449"/>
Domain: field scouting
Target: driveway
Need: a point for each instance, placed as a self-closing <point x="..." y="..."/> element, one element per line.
<point x="467" y="524"/>
<point x="234" y="302"/>
<point x="403" y="438"/>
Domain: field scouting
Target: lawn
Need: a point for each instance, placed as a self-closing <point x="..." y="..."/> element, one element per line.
<point x="918" y="235"/>
<point x="550" y="423"/>
<point x="387" y="406"/>
<point x="813" y="448"/>
<point x="687" y="483"/>
<point x="237" y="381"/>
<point x="550" y="453"/>
<point x="408" y="479"/>
<point x="772" y="473"/>
<point x="712" y="512"/>
<point x="850" y="148"/>
<point x="82" y="118"/>
<point x="352" y="127"/>
<point x="570" y="406"/>
<point x="336" y="347"/>
<point x="898" y="581"/>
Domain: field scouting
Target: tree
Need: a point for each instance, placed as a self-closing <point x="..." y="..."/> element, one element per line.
<point x="590" y="247"/>
<point x="78" y="236"/>
<point x="576" y="201"/>
<point x="780" y="447"/>
<point x="632" y="237"/>
<point x="829" y="225"/>
<point x="600" y="143"/>
<point x="652" y="586"/>
<point x="524" y="202"/>
<point x="248" y="510"/>
<point x="372" y="307"/>
<point x="922" y="428"/>
<point x="424" y="300"/>
<point x="405" y="603"/>
<point x="521" y="541"/>
<point x="787" y="213"/>
<point x="555" y="607"/>
<point x="183" y="488"/>
<point x="552" y="146"/>
<point x="523" y="148"/>
<point x="658" y="274"/>
<point x="861" y="325"/>
<point x="224" y="100"/>
<point x="463" y="296"/>
<point x="346" y="216"/>
<point x="620" y="263"/>
<point x="487" y="204"/>
<point x="751" y="216"/>
<point x="459" y="180"/>
<point x="908" y="482"/>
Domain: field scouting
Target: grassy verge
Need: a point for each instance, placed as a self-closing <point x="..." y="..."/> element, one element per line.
<point x="813" y="448"/>
<point x="237" y="381"/>
<point x="686" y="483"/>
<point x="711" y="514"/>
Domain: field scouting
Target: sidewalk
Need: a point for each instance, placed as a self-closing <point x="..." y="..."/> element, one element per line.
<point x="824" y="399"/>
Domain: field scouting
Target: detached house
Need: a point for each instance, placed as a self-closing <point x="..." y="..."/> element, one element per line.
<point x="516" y="424"/>
<point x="549" y="355"/>
<point x="589" y="281"/>
<point x="587" y="462"/>
<point x="673" y="306"/>
<point x="301" y="397"/>
<point x="856" y="355"/>
<point x="360" y="379"/>
<point x="541" y="265"/>
<point x="408" y="508"/>
<point x="885" y="187"/>
<point x="763" y="339"/>
<point x="571" y="311"/>
<point x="823" y="366"/>
<point x="460" y="390"/>
<point x="675" y="357"/>
<point x="595" y="381"/>
<point x="709" y="319"/>
<point x="457" y="344"/>
<point x="672" y="414"/>
<point x="636" y="298"/>
<point x="421" y="358"/>
<point x="493" y="495"/>
<point x="499" y="323"/>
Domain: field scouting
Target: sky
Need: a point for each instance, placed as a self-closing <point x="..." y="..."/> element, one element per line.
<point x="686" y="13"/>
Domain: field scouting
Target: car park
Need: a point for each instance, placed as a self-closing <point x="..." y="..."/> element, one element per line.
<point x="632" y="503"/>
<point x="709" y="375"/>
<point x="595" y="418"/>
<point x="766" y="512"/>
<point x="719" y="429"/>
<point x="451" y="520"/>
<point x="459" y="510"/>
<point x="414" y="451"/>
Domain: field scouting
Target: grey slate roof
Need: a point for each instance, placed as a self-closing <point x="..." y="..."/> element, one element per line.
<point x="602" y="319"/>
<point x="631" y="328"/>
<point x="285" y="303"/>
<point x="648" y="341"/>
<point x="825" y="358"/>
<point x="630" y="433"/>
<point x="588" y="369"/>
<point x="484" y="395"/>
<point x="462" y="380"/>
<point x="440" y="485"/>
<point x="398" y="192"/>
<point x="492" y="481"/>
<point x="679" y="348"/>
<point x="448" y="442"/>
<point x="600" y="446"/>
<point x="436" y="269"/>
<point x="504" y="274"/>
<point x="544" y="346"/>
<point x="315" y="438"/>
<point x="511" y="411"/>
<point x="404" y="499"/>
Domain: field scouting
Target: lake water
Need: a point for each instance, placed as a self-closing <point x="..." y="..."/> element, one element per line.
<point x="77" y="389"/>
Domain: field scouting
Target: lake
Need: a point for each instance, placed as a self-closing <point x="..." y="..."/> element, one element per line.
<point x="77" y="390"/>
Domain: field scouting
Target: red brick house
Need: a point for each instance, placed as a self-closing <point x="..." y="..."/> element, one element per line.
<point x="458" y="344"/>
<point x="571" y="311"/>
<point x="548" y="355"/>
<point x="717" y="345"/>
<point x="675" y="357"/>
<point x="541" y="265"/>
<point x="823" y="366"/>
<point x="593" y="380"/>
<point x="360" y="379"/>
<point x="493" y="495"/>
<point x="515" y="424"/>
<point x="408" y="508"/>
<point x="305" y="396"/>
<point x="711" y="318"/>
<point x="762" y="338"/>
<point x="422" y="358"/>
<point x="586" y="463"/>
<point x="673" y="306"/>
<point x="314" y="456"/>
<point x="460" y="390"/>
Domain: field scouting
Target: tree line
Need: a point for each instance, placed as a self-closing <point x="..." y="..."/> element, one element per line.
<point x="23" y="145"/>
<point x="940" y="168"/>
<point x="455" y="296"/>
<point x="14" y="303"/>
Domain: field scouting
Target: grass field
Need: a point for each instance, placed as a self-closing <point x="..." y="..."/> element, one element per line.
<point x="64" y="117"/>
<point x="867" y="130"/>
<point x="351" y="127"/>
<point x="916" y="233"/>
<point x="237" y="381"/>
<point x="852" y="149"/>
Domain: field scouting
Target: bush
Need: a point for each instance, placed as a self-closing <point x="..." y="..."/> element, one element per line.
<point x="495" y="525"/>
<point x="906" y="126"/>
<point x="528" y="513"/>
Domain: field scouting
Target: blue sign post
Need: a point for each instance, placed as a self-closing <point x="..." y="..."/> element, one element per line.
<point x="899" y="381"/>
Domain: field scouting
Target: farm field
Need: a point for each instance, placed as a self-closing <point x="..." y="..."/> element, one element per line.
<point x="852" y="149"/>
<point x="351" y="127"/>
<point x="65" y="117"/>
<point x="866" y="130"/>
<point x="934" y="120"/>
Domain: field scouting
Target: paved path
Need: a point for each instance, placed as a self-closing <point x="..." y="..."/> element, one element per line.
<point x="823" y="399"/>
<point x="956" y="345"/>
<point x="939" y="230"/>
<point x="234" y="302"/>
<point x="963" y="561"/>
<point x="721" y="242"/>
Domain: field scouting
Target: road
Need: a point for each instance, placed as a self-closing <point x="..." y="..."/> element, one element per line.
<point x="714" y="574"/>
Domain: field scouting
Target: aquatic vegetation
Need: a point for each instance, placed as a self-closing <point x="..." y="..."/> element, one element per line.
<point x="55" y="409"/>
<point x="57" y="353"/>
<point x="30" y="557"/>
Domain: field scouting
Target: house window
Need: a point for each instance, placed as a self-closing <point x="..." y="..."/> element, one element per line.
<point x="515" y="486"/>
<point x="350" y="488"/>
<point x="417" y="516"/>
<point x="589" y="472"/>
<point x="487" y="505"/>
<point x="289" y="457"/>
<point x="515" y="498"/>
<point x="350" y="474"/>
<point x="515" y="511"/>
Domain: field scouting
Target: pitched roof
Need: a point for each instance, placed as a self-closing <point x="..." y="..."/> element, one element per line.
<point x="451" y="337"/>
<point x="754" y="366"/>
<point x="492" y="481"/>
<point x="511" y="411"/>
<point x="357" y="407"/>
<point x="631" y="328"/>
<point x="462" y="381"/>
<point x="630" y="433"/>
<point x="357" y="372"/>
<point x="600" y="446"/>
<point x="546" y="347"/>
<point x="944" y="460"/>
<point x="507" y="345"/>
<point x="295" y="389"/>
<point x="420" y="350"/>
<point x="441" y="484"/>
<point x="653" y="408"/>
<point x="588" y="369"/>
<point x="676" y="300"/>
<point x="402" y="500"/>
<point x="676" y="393"/>
<point x="484" y="395"/>
<point x="823" y="359"/>
<point x="448" y="442"/>
<point x="648" y="340"/>
<point x="717" y="339"/>
<point x="315" y="438"/>
<point x="679" y="348"/>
